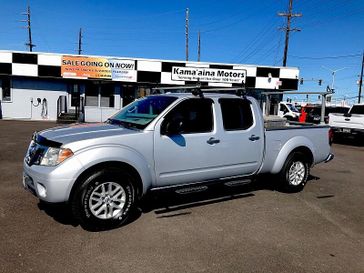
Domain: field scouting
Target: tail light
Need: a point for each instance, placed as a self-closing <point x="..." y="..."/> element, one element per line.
<point x="331" y="136"/>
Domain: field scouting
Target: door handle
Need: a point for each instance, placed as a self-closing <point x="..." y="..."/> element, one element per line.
<point x="254" y="137"/>
<point x="212" y="141"/>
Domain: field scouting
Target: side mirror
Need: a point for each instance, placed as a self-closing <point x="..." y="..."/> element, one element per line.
<point x="172" y="126"/>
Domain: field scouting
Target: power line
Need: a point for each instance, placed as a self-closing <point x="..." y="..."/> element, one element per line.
<point x="265" y="30"/>
<point x="28" y="21"/>
<point x="326" y="57"/>
<point x="288" y="28"/>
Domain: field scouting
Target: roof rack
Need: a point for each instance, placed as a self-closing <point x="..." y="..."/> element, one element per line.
<point x="196" y="90"/>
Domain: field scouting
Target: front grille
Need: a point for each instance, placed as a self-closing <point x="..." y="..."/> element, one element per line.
<point x="34" y="154"/>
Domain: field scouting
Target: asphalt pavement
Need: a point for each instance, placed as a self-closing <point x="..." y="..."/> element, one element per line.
<point x="241" y="229"/>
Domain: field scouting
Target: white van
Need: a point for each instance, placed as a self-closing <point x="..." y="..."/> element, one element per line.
<point x="288" y="110"/>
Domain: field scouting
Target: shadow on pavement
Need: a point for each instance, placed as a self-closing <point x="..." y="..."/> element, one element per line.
<point x="167" y="204"/>
<point x="59" y="212"/>
<point x="349" y="140"/>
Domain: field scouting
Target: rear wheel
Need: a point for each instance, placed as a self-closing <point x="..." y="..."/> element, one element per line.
<point x="294" y="174"/>
<point x="104" y="199"/>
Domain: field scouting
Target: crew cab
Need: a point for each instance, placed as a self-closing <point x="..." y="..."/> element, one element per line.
<point x="169" y="141"/>
<point x="351" y="123"/>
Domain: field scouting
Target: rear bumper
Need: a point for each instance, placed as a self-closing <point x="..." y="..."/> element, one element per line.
<point x="329" y="157"/>
<point x="347" y="130"/>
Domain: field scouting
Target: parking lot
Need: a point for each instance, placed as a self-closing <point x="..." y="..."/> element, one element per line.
<point x="241" y="229"/>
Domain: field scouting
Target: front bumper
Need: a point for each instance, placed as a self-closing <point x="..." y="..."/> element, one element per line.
<point x="51" y="184"/>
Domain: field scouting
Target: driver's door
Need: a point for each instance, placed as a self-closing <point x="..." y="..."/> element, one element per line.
<point x="190" y="152"/>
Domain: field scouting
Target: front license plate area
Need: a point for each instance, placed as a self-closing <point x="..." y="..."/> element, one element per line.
<point x="29" y="184"/>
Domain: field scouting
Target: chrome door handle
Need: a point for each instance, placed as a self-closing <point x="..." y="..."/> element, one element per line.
<point x="254" y="137"/>
<point x="212" y="140"/>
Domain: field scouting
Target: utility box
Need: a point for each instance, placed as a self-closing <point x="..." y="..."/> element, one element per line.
<point x="272" y="122"/>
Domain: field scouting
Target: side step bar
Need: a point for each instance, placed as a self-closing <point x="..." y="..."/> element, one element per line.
<point x="204" y="185"/>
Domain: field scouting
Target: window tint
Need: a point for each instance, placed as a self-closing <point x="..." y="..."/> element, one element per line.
<point x="357" y="109"/>
<point x="195" y="114"/>
<point x="282" y="108"/>
<point x="236" y="114"/>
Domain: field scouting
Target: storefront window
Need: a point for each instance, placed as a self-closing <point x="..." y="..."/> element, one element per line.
<point x="107" y="95"/>
<point x="6" y="90"/>
<point x="92" y="95"/>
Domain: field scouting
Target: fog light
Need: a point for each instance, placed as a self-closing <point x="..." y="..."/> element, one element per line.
<point x="41" y="190"/>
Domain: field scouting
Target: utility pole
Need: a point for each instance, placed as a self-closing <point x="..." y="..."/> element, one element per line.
<point x="187" y="15"/>
<point x="361" y="79"/>
<point x="288" y="28"/>
<point x="28" y="21"/>
<point x="80" y="42"/>
<point x="199" y="46"/>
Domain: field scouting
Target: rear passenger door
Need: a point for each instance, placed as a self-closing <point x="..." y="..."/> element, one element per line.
<point x="242" y="136"/>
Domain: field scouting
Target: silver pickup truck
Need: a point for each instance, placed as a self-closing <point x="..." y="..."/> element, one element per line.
<point x="169" y="141"/>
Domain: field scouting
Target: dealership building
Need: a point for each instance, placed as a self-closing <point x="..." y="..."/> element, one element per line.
<point x="47" y="86"/>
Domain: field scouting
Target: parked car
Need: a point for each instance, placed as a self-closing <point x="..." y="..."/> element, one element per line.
<point x="314" y="112"/>
<point x="351" y="123"/>
<point x="288" y="111"/>
<point x="171" y="141"/>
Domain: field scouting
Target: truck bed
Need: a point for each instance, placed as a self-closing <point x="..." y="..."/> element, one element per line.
<point x="280" y="141"/>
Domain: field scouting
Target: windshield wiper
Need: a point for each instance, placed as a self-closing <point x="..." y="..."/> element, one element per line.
<point x="127" y="125"/>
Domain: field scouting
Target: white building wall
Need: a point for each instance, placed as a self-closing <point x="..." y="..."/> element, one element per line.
<point x="23" y="92"/>
<point x="21" y="106"/>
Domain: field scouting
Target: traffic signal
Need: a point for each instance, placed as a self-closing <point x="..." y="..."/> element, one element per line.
<point x="301" y="81"/>
<point x="320" y="82"/>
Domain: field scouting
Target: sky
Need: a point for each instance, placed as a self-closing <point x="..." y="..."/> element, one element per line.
<point x="232" y="31"/>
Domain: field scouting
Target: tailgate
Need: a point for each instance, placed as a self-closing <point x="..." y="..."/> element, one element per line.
<point x="352" y="122"/>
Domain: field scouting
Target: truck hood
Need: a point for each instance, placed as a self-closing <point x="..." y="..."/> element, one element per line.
<point x="78" y="132"/>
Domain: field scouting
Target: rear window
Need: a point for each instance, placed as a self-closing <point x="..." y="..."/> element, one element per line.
<point x="236" y="114"/>
<point x="357" y="109"/>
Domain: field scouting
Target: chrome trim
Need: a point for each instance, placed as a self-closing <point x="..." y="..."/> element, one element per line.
<point x="329" y="157"/>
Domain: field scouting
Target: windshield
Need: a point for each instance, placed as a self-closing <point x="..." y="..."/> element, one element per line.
<point x="141" y="112"/>
<point x="292" y="108"/>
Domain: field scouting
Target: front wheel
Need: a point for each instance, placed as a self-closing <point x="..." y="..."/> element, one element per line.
<point x="104" y="199"/>
<point x="294" y="174"/>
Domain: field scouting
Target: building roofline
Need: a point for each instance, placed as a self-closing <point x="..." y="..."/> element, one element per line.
<point x="146" y="59"/>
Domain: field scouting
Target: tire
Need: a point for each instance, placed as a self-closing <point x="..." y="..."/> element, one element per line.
<point x="104" y="199"/>
<point x="294" y="174"/>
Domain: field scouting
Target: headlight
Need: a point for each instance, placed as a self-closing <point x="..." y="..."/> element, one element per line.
<point x="54" y="156"/>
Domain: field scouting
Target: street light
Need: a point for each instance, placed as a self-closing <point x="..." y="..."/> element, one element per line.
<point x="333" y="72"/>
